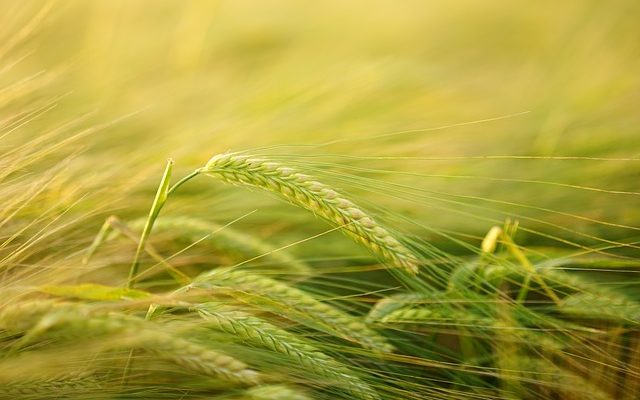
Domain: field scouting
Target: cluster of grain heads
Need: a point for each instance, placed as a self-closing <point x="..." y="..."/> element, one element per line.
<point x="35" y="319"/>
<point x="303" y="191"/>
<point x="258" y="332"/>
<point x="295" y="304"/>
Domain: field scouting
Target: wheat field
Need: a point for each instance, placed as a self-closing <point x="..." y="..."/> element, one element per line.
<point x="278" y="200"/>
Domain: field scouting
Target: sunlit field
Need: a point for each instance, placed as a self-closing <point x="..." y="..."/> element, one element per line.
<point x="284" y="200"/>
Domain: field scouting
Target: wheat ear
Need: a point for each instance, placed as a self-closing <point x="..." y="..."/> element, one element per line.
<point x="320" y="199"/>
<point x="298" y="303"/>
<point x="261" y="333"/>
<point x="69" y="320"/>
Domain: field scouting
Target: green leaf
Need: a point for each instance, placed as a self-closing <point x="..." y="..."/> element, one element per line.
<point x="92" y="291"/>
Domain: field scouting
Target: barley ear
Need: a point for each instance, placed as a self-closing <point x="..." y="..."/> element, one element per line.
<point x="316" y="197"/>
<point x="261" y="333"/>
<point x="253" y="288"/>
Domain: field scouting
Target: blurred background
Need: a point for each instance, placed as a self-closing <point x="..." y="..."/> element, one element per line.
<point x="444" y="117"/>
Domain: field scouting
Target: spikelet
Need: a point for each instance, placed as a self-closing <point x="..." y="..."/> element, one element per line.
<point x="261" y="333"/>
<point x="390" y="304"/>
<point x="68" y="320"/>
<point x="305" y="192"/>
<point x="298" y="303"/>
<point x="437" y="299"/>
<point x="436" y="316"/>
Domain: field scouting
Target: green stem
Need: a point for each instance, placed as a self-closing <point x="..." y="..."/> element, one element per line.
<point x="100" y="237"/>
<point x="183" y="180"/>
<point x="158" y="202"/>
<point x="530" y="269"/>
<point x="161" y="197"/>
<point x="524" y="290"/>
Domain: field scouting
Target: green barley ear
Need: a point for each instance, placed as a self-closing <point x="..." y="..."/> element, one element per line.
<point x="444" y="301"/>
<point x="437" y="315"/>
<point x="258" y="332"/>
<point x="299" y="304"/>
<point x="387" y="305"/>
<point x="311" y="195"/>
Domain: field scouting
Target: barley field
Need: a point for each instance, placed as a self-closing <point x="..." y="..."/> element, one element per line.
<point x="284" y="200"/>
